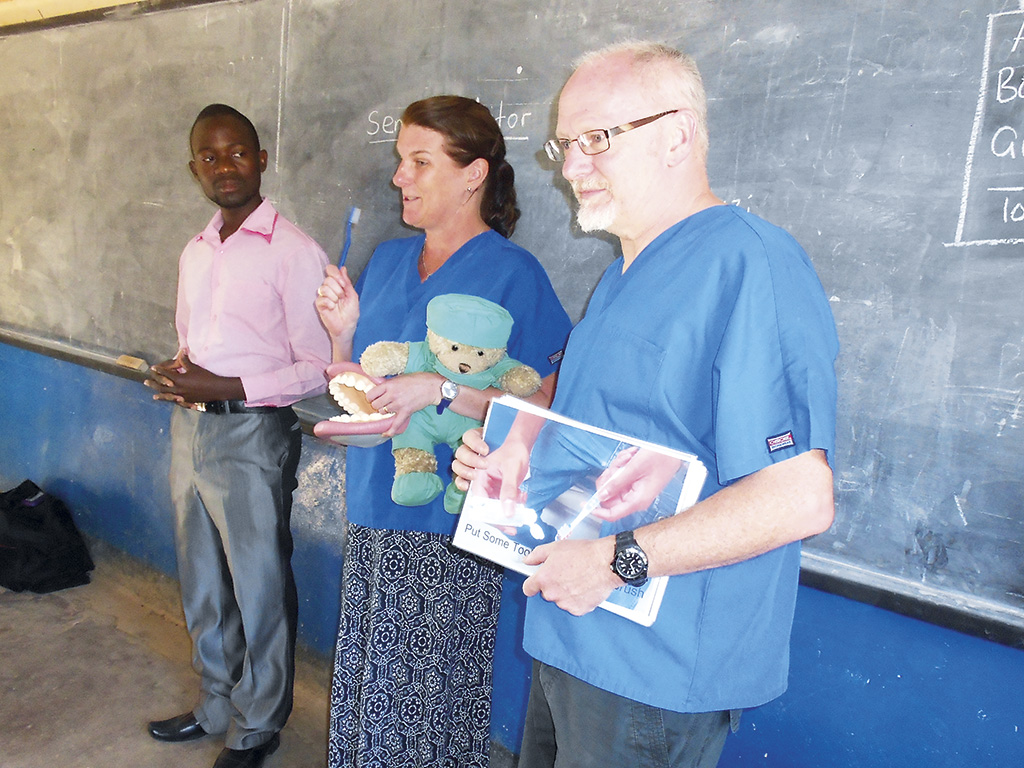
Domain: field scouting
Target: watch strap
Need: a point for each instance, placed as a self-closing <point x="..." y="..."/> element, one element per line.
<point x="623" y="539"/>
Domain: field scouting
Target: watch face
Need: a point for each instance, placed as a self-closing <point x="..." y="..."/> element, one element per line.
<point x="631" y="563"/>
<point x="449" y="390"/>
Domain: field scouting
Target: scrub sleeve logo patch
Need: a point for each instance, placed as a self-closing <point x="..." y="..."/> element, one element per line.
<point x="778" y="442"/>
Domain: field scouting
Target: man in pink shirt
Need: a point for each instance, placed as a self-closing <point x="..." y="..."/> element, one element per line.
<point x="250" y="345"/>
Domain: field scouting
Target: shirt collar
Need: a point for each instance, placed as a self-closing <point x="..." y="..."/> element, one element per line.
<point x="260" y="222"/>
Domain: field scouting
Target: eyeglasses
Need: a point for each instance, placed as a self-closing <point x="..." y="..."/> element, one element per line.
<point x="597" y="141"/>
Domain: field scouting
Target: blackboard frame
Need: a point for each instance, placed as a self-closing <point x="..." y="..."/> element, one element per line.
<point x="102" y="13"/>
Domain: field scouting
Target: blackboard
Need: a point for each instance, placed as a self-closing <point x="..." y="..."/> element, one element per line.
<point x="886" y="137"/>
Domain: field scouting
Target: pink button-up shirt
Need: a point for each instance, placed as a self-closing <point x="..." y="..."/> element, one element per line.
<point x="245" y="307"/>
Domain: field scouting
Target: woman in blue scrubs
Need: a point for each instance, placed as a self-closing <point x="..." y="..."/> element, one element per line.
<point x="412" y="676"/>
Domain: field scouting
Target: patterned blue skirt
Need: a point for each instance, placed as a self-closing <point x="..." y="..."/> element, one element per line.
<point x="412" y="669"/>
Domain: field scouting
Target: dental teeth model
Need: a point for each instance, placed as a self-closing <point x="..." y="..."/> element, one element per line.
<point x="349" y="391"/>
<point x="360" y="425"/>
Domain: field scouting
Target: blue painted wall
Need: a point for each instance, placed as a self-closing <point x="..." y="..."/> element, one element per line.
<point x="869" y="688"/>
<point x="103" y="445"/>
<point x="875" y="689"/>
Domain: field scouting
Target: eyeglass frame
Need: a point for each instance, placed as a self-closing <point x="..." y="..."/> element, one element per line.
<point x="556" y="149"/>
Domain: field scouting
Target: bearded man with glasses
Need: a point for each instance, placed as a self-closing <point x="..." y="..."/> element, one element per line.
<point x="712" y="335"/>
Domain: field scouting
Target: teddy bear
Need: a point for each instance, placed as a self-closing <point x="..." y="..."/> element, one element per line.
<point x="466" y="342"/>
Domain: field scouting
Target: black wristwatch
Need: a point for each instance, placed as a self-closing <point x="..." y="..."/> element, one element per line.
<point x="630" y="562"/>
<point x="449" y="391"/>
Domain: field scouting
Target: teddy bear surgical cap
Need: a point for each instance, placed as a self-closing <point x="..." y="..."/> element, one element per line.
<point x="469" y="320"/>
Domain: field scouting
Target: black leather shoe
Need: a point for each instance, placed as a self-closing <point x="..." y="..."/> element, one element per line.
<point x="248" y="758"/>
<point x="181" y="728"/>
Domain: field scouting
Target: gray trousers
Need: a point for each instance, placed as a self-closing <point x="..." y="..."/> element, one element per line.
<point x="572" y="724"/>
<point x="232" y="478"/>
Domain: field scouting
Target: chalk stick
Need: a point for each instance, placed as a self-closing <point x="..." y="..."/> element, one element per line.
<point x="137" y="363"/>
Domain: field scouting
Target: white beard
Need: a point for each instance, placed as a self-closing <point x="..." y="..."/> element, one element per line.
<point x="595" y="216"/>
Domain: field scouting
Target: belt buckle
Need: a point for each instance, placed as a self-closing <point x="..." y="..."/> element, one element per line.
<point x="201" y="407"/>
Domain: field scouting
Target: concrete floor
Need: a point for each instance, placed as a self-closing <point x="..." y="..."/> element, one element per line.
<point x="83" y="670"/>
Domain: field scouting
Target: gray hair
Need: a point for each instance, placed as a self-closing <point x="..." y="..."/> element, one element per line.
<point x="669" y="73"/>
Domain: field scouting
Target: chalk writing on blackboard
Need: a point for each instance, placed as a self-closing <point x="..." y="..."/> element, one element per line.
<point x="992" y="202"/>
<point x="513" y="119"/>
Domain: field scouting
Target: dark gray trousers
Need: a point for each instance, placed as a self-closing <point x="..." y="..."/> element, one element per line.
<point x="232" y="478"/>
<point x="572" y="724"/>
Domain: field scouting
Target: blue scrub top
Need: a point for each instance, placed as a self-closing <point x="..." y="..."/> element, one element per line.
<point x="719" y="341"/>
<point x="393" y="307"/>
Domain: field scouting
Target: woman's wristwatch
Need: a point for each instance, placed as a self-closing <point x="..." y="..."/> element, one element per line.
<point x="449" y="391"/>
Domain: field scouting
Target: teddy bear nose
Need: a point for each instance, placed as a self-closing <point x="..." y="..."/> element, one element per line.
<point x="463" y="367"/>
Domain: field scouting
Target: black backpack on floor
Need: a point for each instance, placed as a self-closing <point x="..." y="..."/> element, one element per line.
<point x="41" y="549"/>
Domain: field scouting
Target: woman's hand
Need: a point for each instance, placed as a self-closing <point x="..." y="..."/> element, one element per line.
<point x="338" y="305"/>
<point x="469" y="458"/>
<point x="404" y="395"/>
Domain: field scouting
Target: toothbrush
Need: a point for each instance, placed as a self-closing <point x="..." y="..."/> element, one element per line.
<point x="591" y="504"/>
<point x="353" y="217"/>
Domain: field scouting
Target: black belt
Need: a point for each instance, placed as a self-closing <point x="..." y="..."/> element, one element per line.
<point x="234" y="406"/>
